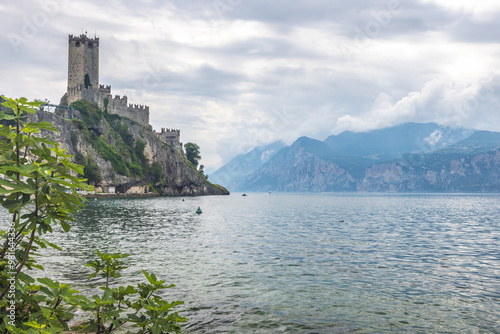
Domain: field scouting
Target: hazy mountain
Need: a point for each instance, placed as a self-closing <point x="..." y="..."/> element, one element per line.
<point x="304" y="166"/>
<point x="480" y="140"/>
<point x="235" y="171"/>
<point x="439" y="171"/>
<point x="393" y="142"/>
<point x="409" y="157"/>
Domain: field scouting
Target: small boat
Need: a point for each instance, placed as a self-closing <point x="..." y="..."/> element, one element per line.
<point x="244" y="194"/>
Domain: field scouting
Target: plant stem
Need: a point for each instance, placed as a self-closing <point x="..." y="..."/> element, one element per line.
<point x="18" y="175"/>
<point x="59" y="300"/>
<point x="26" y="254"/>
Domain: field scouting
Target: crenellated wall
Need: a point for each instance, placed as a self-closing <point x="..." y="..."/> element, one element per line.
<point x="138" y="113"/>
<point x="83" y="59"/>
<point x="89" y="94"/>
<point x="172" y="137"/>
<point x="116" y="105"/>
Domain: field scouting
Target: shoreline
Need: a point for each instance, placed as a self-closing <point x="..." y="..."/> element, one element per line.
<point x="105" y="195"/>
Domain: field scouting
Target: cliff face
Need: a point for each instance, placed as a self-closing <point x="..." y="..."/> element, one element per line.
<point x="159" y="166"/>
<point x="232" y="174"/>
<point x="473" y="165"/>
<point x="297" y="169"/>
<point x="432" y="172"/>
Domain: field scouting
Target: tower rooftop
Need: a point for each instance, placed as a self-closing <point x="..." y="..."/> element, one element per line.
<point x="83" y="38"/>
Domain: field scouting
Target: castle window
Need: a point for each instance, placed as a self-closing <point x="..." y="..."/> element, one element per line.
<point x="91" y="45"/>
<point x="77" y="43"/>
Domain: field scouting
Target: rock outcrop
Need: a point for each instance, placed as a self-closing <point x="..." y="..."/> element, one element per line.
<point x="177" y="178"/>
<point x="297" y="169"/>
<point x="308" y="165"/>
<point x="438" y="172"/>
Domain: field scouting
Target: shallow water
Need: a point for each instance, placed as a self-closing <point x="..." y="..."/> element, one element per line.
<point x="284" y="263"/>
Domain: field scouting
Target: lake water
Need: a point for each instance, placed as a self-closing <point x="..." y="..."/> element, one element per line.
<point x="305" y="263"/>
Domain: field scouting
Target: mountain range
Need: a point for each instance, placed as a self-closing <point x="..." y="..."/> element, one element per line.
<point x="411" y="157"/>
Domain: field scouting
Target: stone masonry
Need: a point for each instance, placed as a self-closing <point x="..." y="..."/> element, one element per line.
<point x="83" y="84"/>
<point x="170" y="137"/>
<point x="83" y="81"/>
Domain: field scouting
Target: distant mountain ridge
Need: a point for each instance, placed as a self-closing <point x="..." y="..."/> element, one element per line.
<point x="408" y="157"/>
<point x="479" y="140"/>
<point x="235" y="171"/>
<point x="393" y="142"/>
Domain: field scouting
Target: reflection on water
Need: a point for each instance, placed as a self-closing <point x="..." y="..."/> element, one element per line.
<point x="285" y="263"/>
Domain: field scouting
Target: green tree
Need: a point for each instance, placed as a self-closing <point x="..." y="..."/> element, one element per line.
<point x="202" y="171"/>
<point x="193" y="153"/>
<point x="106" y="103"/>
<point x="38" y="187"/>
<point x="92" y="171"/>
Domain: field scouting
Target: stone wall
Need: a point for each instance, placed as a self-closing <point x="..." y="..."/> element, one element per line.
<point x="172" y="137"/>
<point x="83" y="58"/>
<point x="116" y="105"/>
<point x="120" y="106"/>
<point x="89" y="94"/>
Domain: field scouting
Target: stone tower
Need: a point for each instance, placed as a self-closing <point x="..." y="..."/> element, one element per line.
<point x="83" y="60"/>
<point x="83" y="82"/>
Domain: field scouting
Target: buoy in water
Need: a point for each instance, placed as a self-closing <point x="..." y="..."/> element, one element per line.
<point x="183" y="199"/>
<point x="198" y="211"/>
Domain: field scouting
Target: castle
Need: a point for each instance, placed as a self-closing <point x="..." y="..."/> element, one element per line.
<point x="170" y="136"/>
<point x="83" y="84"/>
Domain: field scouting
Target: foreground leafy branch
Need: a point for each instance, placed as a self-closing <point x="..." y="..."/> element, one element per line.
<point x="39" y="187"/>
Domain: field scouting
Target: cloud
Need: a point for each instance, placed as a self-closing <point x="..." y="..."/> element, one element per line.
<point x="234" y="74"/>
<point x="444" y="101"/>
<point x="433" y="138"/>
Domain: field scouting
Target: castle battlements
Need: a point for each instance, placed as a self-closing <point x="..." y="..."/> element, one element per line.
<point x="105" y="89"/>
<point x="172" y="137"/>
<point x="138" y="107"/>
<point x="80" y="88"/>
<point x="119" y="98"/>
<point x="83" y="84"/>
<point x="165" y="130"/>
<point x="81" y="92"/>
<point x="84" y="39"/>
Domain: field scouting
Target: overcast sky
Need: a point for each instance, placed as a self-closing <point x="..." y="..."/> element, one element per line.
<point x="235" y="74"/>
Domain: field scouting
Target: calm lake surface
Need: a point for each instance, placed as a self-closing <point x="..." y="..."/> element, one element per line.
<point x="285" y="263"/>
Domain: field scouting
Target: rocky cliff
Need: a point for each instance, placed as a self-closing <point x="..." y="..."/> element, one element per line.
<point x="438" y="172"/>
<point x="308" y="165"/>
<point x="296" y="168"/>
<point x="232" y="174"/>
<point x="120" y="153"/>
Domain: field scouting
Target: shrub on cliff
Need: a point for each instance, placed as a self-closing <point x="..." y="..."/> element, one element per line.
<point x="117" y="144"/>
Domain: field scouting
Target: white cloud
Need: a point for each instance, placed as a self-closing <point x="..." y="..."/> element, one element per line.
<point x="444" y="101"/>
<point x="434" y="138"/>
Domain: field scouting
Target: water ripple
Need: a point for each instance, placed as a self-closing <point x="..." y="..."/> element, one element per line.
<point x="306" y="263"/>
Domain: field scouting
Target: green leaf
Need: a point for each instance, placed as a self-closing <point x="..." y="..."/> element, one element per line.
<point x="48" y="282"/>
<point x="66" y="227"/>
<point x="25" y="278"/>
<point x="42" y="125"/>
<point x="5" y="116"/>
<point x="15" y="187"/>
